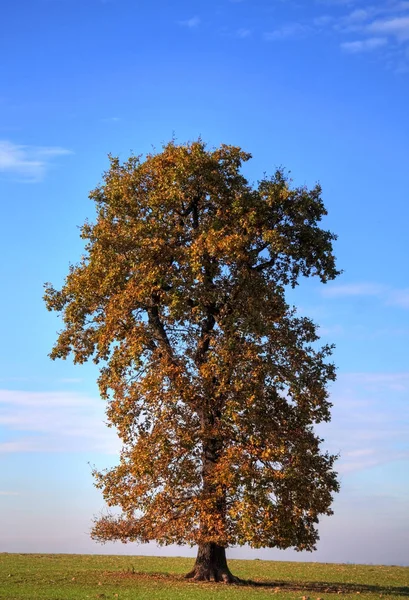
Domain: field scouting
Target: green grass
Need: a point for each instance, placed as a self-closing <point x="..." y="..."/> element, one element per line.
<point x="66" y="577"/>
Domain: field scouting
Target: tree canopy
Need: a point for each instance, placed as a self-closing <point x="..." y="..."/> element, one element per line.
<point x="212" y="380"/>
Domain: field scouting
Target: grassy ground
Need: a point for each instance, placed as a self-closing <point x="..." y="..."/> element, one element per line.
<point x="68" y="577"/>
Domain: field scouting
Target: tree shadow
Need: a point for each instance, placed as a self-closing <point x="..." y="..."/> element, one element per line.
<point x="312" y="587"/>
<point x="329" y="587"/>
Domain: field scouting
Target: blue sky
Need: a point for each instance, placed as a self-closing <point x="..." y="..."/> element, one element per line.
<point x="319" y="87"/>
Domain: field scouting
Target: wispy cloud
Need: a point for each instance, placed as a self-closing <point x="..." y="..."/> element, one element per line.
<point x="289" y="30"/>
<point x="53" y="422"/>
<point x="323" y="20"/>
<point x="367" y="430"/>
<point x="29" y="163"/>
<point x="388" y="295"/>
<point x="358" y="15"/>
<point x="111" y="119"/>
<point x="353" y="289"/>
<point x="374" y="458"/>
<point x="192" y="22"/>
<point x="376" y="27"/>
<point x="366" y="45"/>
<point x="332" y="330"/>
<point x="336" y="2"/>
<point x="397" y="27"/>
<point x="243" y="33"/>
<point x="399" y="298"/>
<point x="377" y="381"/>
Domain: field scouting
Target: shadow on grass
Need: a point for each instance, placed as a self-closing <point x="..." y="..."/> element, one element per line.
<point x="327" y="587"/>
<point x="316" y="587"/>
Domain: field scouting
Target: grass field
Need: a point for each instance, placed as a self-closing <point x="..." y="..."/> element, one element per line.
<point x="66" y="577"/>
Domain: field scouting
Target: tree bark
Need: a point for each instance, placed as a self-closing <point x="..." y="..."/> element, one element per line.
<point x="211" y="565"/>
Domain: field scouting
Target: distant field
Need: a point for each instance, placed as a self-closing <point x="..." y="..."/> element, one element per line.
<point x="66" y="577"/>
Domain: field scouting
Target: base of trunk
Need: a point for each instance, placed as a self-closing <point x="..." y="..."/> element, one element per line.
<point x="211" y="565"/>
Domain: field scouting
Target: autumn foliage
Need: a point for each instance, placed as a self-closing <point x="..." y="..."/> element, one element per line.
<point x="212" y="380"/>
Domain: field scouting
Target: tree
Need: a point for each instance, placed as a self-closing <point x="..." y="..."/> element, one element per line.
<point x="212" y="380"/>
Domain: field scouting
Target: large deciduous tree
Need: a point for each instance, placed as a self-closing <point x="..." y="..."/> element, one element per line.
<point x="212" y="380"/>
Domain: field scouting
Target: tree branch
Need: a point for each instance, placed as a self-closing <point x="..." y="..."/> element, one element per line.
<point x="158" y="327"/>
<point x="204" y="342"/>
<point x="264" y="265"/>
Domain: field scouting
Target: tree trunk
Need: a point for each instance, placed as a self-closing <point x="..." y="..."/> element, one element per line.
<point x="211" y="565"/>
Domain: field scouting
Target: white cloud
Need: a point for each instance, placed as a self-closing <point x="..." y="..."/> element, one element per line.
<point x="352" y="463"/>
<point x="243" y="33"/>
<point x="360" y="452"/>
<point x="390" y="296"/>
<point x="336" y="2"/>
<point x="353" y="289"/>
<point x="44" y="399"/>
<point x="332" y="330"/>
<point x="366" y="45"/>
<point x="287" y="31"/>
<point x="370" y="424"/>
<point x="399" y="298"/>
<point x="54" y="422"/>
<point x="359" y="14"/>
<point x="397" y="27"/>
<point x="29" y="163"/>
<point x="355" y="21"/>
<point x="323" y="20"/>
<point x="193" y="22"/>
<point x="375" y="26"/>
<point x="377" y="381"/>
